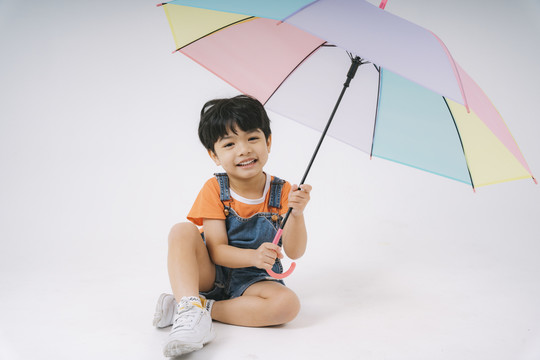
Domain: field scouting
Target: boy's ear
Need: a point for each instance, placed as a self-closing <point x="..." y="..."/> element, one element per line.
<point x="269" y="142"/>
<point x="214" y="157"/>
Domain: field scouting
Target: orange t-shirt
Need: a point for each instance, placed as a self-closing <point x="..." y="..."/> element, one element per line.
<point x="209" y="206"/>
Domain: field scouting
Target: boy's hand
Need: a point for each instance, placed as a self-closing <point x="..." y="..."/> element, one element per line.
<point x="265" y="255"/>
<point x="298" y="198"/>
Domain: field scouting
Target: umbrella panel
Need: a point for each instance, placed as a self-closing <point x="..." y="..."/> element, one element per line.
<point x="254" y="56"/>
<point x="415" y="127"/>
<point x="309" y="95"/>
<point x="275" y="9"/>
<point x="490" y="160"/>
<point x="192" y="28"/>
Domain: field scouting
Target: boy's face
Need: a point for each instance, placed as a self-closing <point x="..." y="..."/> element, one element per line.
<point x="242" y="155"/>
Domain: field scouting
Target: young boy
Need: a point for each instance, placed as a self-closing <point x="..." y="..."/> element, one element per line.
<point x="221" y="273"/>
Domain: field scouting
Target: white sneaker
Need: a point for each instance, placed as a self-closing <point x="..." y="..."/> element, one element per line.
<point x="166" y="306"/>
<point x="192" y="328"/>
<point x="164" y="314"/>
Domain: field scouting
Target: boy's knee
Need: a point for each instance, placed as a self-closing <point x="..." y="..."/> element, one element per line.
<point x="183" y="231"/>
<point x="287" y="306"/>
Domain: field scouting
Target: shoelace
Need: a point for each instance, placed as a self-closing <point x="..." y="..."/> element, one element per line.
<point x="187" y="317"/>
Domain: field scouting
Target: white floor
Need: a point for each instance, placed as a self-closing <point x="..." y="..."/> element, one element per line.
<point x="99" y="157"/>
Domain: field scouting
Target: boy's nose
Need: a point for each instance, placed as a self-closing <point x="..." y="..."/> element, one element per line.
<point x="244" y="148"/>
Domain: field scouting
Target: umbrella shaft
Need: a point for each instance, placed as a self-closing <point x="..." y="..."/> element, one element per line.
<point x="356" y="62"/>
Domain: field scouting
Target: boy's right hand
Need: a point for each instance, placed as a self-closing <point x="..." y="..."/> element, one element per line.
<point x="265" y="256"/>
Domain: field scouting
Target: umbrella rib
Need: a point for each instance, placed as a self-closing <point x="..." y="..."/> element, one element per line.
<point x="215" y="31"/>
<point x="376" y="111"/>
<point x="460" y="141"/>
<point x="296" y="67"/>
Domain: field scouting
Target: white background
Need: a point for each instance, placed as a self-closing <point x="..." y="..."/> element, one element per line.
<point x="99" y="158"/>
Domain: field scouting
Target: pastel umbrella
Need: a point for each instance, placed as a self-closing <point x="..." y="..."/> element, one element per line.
<point x="412" y="103"/>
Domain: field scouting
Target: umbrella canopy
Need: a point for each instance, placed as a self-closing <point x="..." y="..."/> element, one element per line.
<point x="413" y="104"/>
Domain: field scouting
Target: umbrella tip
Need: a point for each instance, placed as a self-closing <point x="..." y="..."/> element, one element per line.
<point x="383" y="4"/>
<point x="160" y="4"/>
<point x="535" y="181"/>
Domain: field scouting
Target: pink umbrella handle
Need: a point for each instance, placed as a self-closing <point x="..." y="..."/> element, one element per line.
<point x="383" y="4"/>
<point x="286" y="273"/>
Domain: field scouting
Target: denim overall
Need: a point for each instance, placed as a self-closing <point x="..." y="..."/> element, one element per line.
<point x="246" y="233"/>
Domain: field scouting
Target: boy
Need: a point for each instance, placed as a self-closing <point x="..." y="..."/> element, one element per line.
<point x="222" y="275"/>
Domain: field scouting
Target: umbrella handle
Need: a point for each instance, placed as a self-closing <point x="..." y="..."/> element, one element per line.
<point x="293" y="265"/>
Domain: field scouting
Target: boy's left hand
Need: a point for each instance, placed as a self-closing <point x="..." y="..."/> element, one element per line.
<point x="298" y="198"/>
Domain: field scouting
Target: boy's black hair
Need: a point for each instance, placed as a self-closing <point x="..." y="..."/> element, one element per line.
<point x="220" y="116"/>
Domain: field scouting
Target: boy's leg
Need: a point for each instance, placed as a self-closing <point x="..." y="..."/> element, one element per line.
<point x="190" y="270"/>
<point x="188" y="262"/>
<point x="264" y="303"/>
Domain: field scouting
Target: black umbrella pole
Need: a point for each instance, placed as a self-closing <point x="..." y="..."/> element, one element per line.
<point x="356" y="62"/>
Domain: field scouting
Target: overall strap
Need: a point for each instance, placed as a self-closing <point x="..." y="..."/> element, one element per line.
<point x="224" y="192"/>
<point x="276" y="186"/>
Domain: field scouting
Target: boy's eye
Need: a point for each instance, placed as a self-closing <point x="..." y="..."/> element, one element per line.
<point x="253" y="138"/>
<point x="228" y="145"/>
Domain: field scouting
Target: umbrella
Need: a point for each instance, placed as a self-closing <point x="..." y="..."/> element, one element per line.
<point x="413" y="104"/>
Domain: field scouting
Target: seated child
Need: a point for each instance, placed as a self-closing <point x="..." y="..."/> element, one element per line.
<point x="221" y="273"/>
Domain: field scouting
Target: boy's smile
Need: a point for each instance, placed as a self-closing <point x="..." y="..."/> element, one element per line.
<point x="242" y="154"/>
<point x="248" y="163"/>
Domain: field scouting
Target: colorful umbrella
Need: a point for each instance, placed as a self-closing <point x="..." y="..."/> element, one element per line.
<point x="412" y="103"/>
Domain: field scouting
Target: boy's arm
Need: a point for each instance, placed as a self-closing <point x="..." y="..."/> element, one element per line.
<point x="224" y="254"/>
<point x="294" y="233"/>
